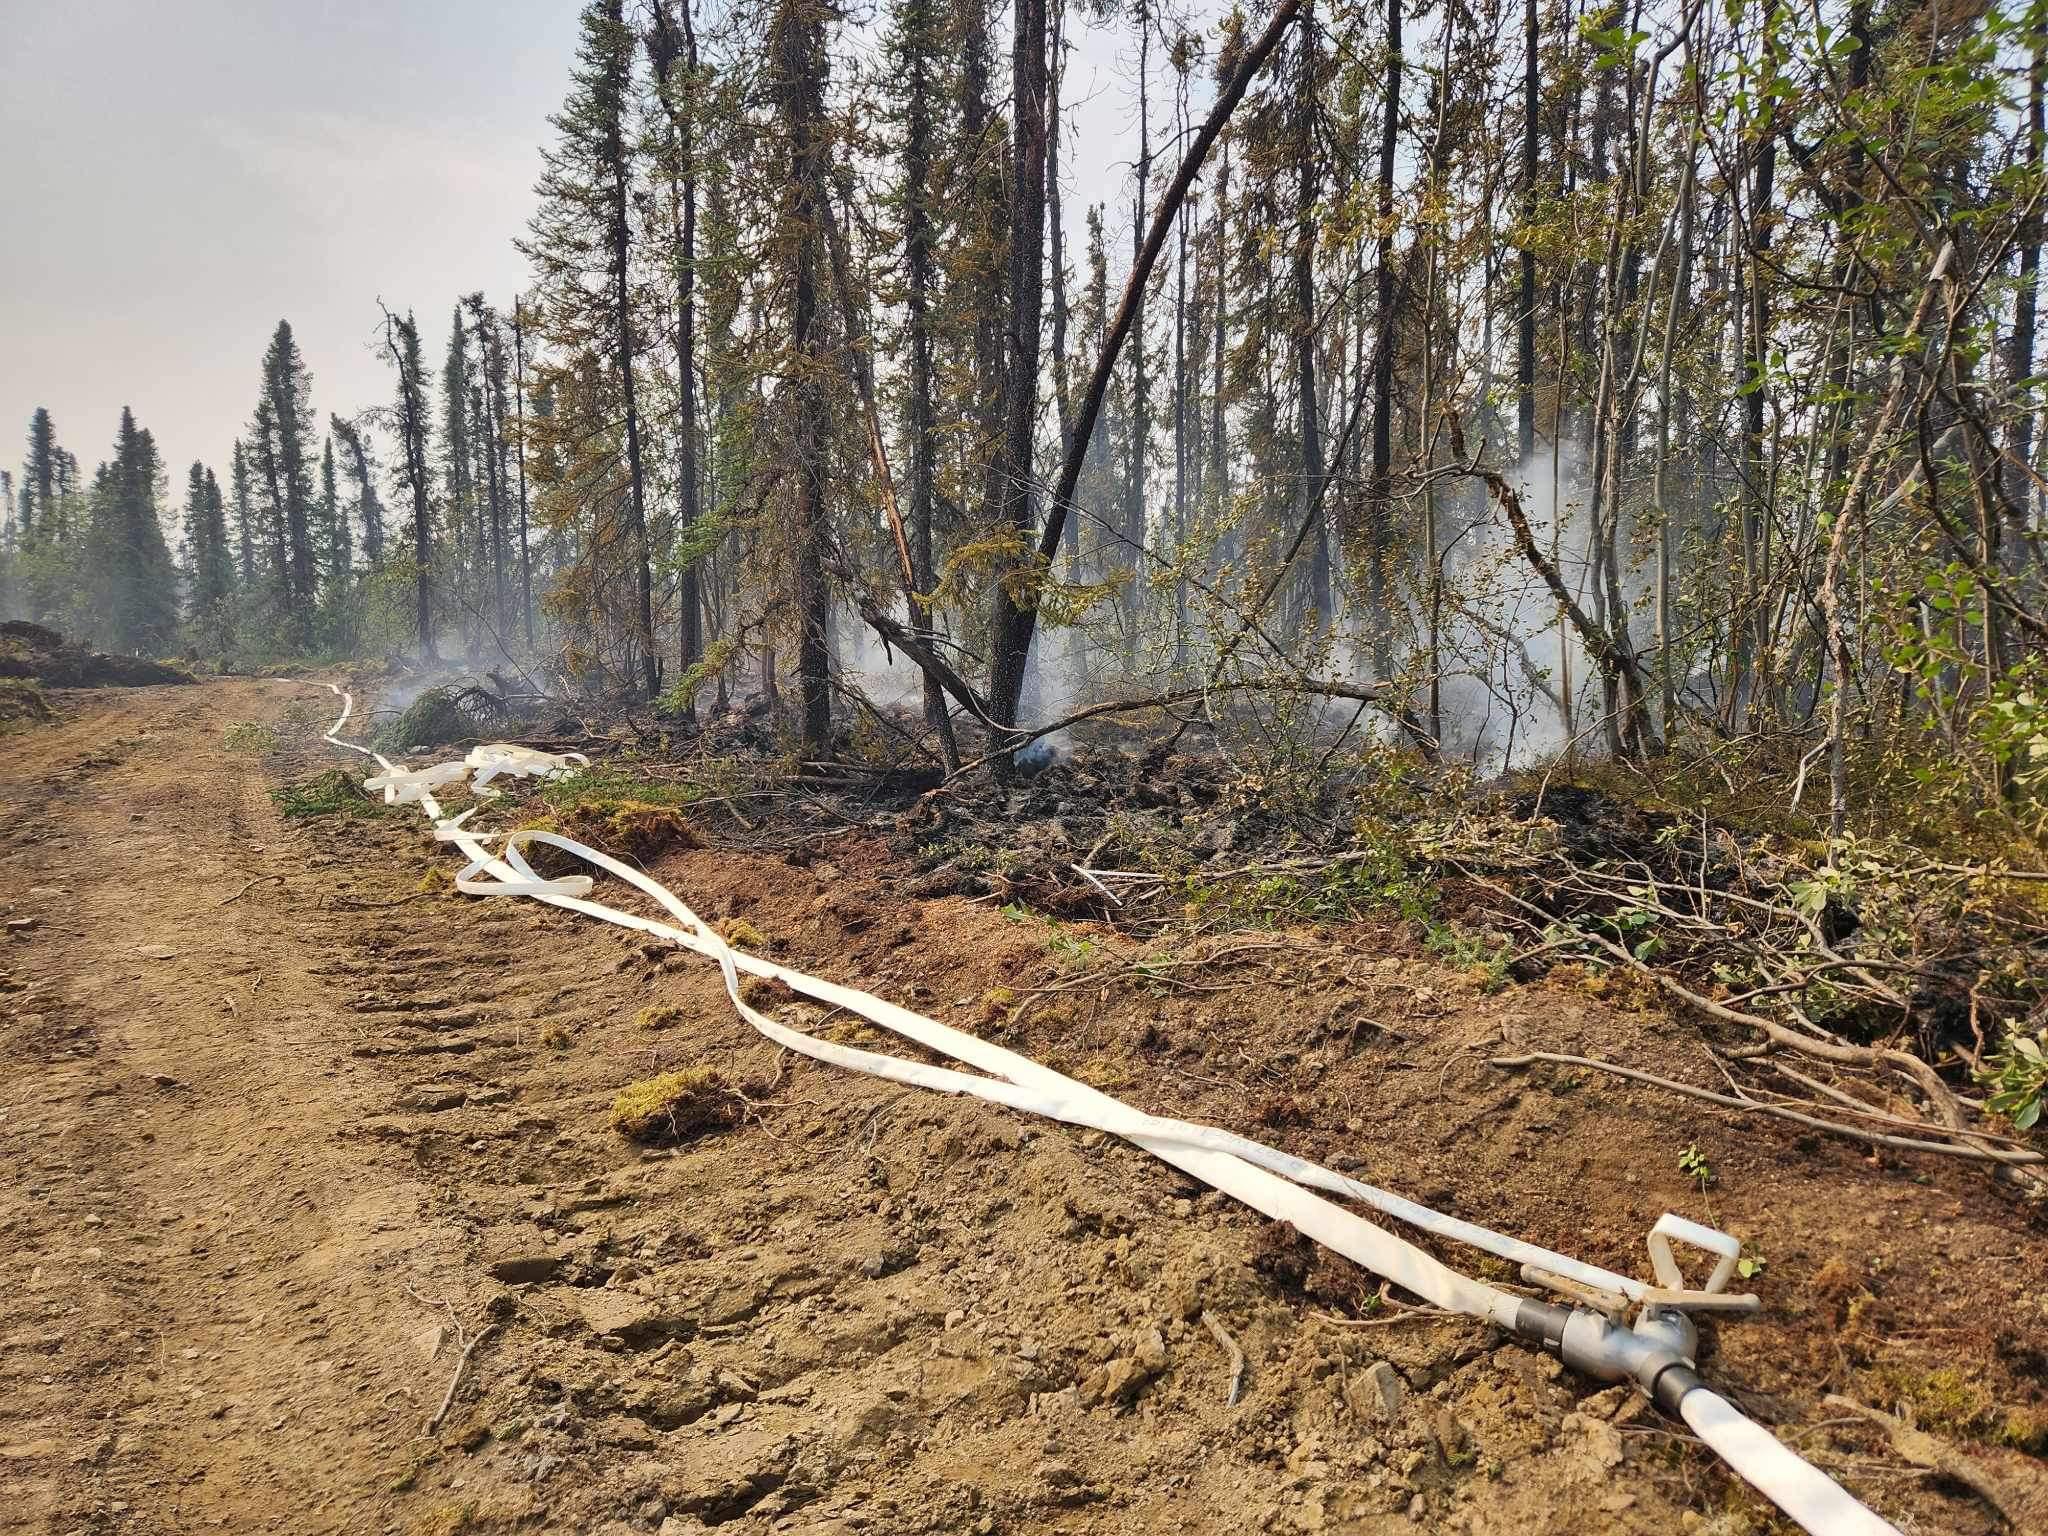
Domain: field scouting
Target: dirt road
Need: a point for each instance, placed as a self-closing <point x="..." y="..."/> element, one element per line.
<point x="285" y="1122"/>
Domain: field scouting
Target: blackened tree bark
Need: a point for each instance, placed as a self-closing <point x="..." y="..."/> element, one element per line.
<point x="798" y="43"/>
<point x="1016" y="613"/>
<point x="672" y="47"/>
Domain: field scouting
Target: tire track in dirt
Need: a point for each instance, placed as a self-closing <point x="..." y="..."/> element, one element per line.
<point x="213" y="1257"/>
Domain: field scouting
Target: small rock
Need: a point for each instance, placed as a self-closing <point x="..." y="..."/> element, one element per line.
<point x="23" y="924"/>
<point x="1387" y="1390"/>
<point x="431" y="1098"/>
<point x="735" y="1386"/>
<point x="955" y="1318"/>
<point x="1417" y="1509"/>
<point x="518" y="1254"/>
<point x="1149" y="1352"/>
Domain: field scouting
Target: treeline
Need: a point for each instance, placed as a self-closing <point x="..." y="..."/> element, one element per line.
<point x="293" y="556"/>
<point x="1540" y="373"/>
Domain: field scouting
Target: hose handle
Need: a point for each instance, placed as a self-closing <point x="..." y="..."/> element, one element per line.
<point x="1725" y="1247"/>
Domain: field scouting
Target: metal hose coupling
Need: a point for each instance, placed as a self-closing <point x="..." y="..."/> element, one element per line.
<point x="1656" y="1353"/>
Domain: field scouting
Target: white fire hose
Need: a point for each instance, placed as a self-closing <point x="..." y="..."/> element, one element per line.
<point x="1656" y="1353"/>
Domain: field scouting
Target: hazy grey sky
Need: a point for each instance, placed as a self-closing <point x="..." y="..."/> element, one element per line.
<point x="178" y="175"/>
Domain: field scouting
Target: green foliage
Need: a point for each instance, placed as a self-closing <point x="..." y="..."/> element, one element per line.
<point x="1692" y="1162"/>
<point x="249" y="736"/>
<point x="716" y="658"/>
<point x="2017" y="1075"/>
<point x="614" y="782"/>
<point x="1485" y="957"/>
<point x="433" y="719"/>
<point x="333" y="793"/>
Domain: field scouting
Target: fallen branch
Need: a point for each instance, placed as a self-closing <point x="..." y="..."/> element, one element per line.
<point x="245" y="890"/>
<point x="1924" y="1450"/>
<point x="1316" y="687"/>
<point x="461" y="1364"/>
<point x="1855" y="1133"/>
<point x="1222" y="1336"/>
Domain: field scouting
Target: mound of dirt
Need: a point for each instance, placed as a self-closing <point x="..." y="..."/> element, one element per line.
<point x="22" y="703"/>
<point x="33" y="651"/>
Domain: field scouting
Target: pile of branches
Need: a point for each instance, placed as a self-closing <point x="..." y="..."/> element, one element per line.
<point x="1867" y="963"/>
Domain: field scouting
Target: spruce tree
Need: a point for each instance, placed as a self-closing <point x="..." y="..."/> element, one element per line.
<point x="39" y="479"/>
<point x="337" y="544"/>
<point x="581" y="240"/>
<point x="245" y="539"/>
<point x="916" y="50"/>
<point x="133" y="580"/>
<point x="369" y="507"/>
<point x="209" y="567"/>
<point x="487" y="413"/>
<point x="797" y="57"/>
<point x="458" y="460"/>
<point x="672" y="50"/>
<point x="287" y="389"/>
<point x="409" y="420"/>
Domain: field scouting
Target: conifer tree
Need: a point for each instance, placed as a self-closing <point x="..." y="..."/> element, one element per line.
<point x="245" y="541"/>
<point x="458" y="462"/>
<point x="209" y="567"/>
<point x="287" y="389"/>
<point x="797" y="57"/>
<point x="369" y="507"/>
<point x="336" y="551"/>
<point x="916" y="48"/>
<point x="672" y="51"/>
<point x="488" y="412"/>
<point x="581" y="240"/>
<point x="40" y="478"/>
<point x="134" y="582"/>
<point x="409" y="420"/>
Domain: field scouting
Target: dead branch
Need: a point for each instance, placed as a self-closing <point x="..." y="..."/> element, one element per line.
<point x="1855" y="1133"/>
<point x="461" y="1364"/>
<point x="1222" y="1336"/>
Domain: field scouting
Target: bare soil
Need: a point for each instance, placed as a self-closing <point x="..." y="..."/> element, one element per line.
<point x="280" y="1114"/>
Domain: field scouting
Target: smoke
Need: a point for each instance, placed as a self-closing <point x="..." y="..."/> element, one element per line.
<point x="885" y="675"/>
<point x="1517" y="686"/>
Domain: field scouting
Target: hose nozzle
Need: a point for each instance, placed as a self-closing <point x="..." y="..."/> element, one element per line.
<point x="1656" y="1353"/>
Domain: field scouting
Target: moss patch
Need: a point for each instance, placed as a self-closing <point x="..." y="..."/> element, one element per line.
<point x="631" y="829"/>
<point x="661" y="1016"/>
<point x="741" y="934"/>
<point x="676" y="1106"/>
